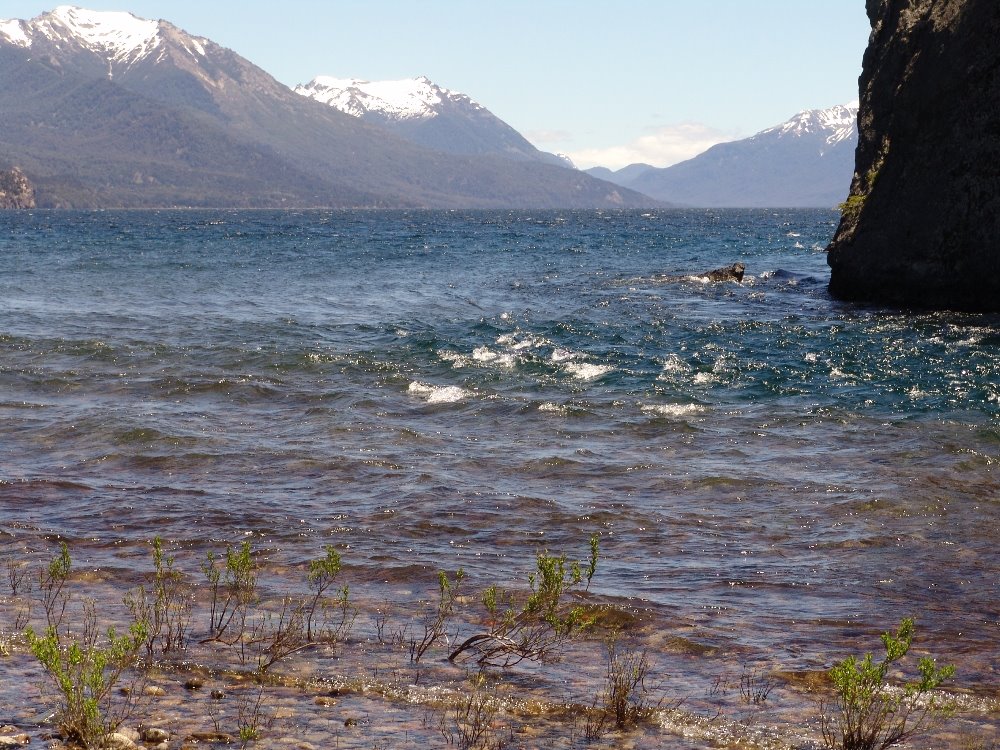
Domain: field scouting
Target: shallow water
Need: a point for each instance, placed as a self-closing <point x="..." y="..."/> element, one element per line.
<point x="774" y="474"/>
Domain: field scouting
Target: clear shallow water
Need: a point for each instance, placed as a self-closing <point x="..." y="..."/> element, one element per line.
<point x="781" y="474"/>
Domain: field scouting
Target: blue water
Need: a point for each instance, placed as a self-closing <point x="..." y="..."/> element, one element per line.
<point x="440" y="389"/>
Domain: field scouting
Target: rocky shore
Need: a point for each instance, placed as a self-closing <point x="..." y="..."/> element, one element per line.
<point x="921" y="224"/>
<point x="16" y="191"/>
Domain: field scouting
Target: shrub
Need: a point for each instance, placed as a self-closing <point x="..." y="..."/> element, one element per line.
<point x="471" y="722"/>
<point x="322" y="571"/>
<point x="234" y="589"/>
<point x="537" y="628"/>
<point x="624" y="700"/>
<point x="872" y="715"/>
<point x="85" y="673"/>
<point x="166" y="607"/>
<point x="435" y="628"/>
<point x="51" y="582"/>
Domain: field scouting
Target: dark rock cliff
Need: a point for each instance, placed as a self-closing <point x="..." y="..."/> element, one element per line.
<point x="922" y="223"/>
<point x="15" y="190"/>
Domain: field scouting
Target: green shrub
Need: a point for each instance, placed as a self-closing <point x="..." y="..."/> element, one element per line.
<point x="166" y="606"/>
<point x="535" y="629"/>
<point x="234" y="589"/>
<point x="85" y="673"/>
<point x="872" y="715"/>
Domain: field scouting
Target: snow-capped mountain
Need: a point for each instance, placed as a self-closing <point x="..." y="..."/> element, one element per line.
<point x="117" y="38"/>
<point x="408" y="99"/>
<point x="805" y="161"/>
<point x="427" y="114"/>
<point x="834" y="125"/>
<point x="105" y="109"/>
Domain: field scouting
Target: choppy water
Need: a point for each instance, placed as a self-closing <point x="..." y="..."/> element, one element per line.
<point x="783" y="474"/>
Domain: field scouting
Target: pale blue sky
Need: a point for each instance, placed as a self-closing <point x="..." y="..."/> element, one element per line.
<point x="605" y="82"/>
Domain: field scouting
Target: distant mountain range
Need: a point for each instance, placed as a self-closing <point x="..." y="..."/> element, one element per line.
<point x="807" y="161"/>
<point x="104" y="109"/>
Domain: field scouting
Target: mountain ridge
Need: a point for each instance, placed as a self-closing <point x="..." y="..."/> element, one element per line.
<point x="805" y="161"/>
<point x="419" y="110"/>
<point x="102" y="111"/>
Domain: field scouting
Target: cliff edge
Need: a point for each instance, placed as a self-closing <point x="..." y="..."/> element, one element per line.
<point x="15" y="189"/>
<point x="921" y="225"/>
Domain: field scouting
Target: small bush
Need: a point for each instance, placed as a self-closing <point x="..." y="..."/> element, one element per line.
<point x="165" y="606"/>
<point x="471" y="723"/>
<point x="234" y="589"/>
<point x="435" y="627"/>
<point x="85" y="673"/>
<point x="536" y="629"/>
<point x="872" y="715"/>
<point x="625" y="700"/>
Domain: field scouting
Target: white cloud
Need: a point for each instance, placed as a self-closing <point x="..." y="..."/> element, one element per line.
<point x="661" y="147"/>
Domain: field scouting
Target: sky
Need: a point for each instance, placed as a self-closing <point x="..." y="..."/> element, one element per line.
<point x="607" y="83"/>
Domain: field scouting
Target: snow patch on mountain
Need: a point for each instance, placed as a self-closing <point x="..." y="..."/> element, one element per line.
<point x="13" y="31"/>
<point x="407" y="99"/>
<point x="118" y="36"/>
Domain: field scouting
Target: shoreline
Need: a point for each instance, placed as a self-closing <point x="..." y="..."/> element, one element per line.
<point x="366" y="689"/>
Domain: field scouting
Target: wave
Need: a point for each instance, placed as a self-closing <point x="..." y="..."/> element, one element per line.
<point x="587" y="371"/>
<point x="438" y="394"/>
<point x="487" y="356"/>
<point x="672" y="411"/>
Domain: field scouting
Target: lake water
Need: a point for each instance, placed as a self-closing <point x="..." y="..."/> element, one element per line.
<point x="776" y="476"/>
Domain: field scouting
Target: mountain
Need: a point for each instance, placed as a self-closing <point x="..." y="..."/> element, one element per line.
<point x="807" y="161"/>
<point x="104" y="109"/>
<point x="420" y="111"/>
<point x="621" y="176"/>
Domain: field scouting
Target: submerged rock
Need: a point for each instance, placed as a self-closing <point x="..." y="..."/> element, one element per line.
<point x="922" y="223"/>
<point x="729" y="273"/>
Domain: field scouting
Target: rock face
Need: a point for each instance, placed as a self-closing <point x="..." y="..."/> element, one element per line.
<point x="15" y="190"/>
<point x="921" y="226"/>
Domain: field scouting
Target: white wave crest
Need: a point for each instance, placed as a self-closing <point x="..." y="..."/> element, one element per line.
<point x="438" y="394"/>
<point x="486" y="355"/>
<point x="674" y="411"/>
<point x="552" y="408"/>
<point x="521" y="341"/>
<point x="457" y="360"/>
<point x="587" y="371"/>
<point x="562" y="355"/>
<point x="674" y="363"/>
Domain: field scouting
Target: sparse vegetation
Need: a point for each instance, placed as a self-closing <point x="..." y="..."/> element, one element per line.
<point x="624" y="701"/>
<point x="875" y="707"/>
<point x="51" y="585"/>
<point x="84" y="671"/>
<point x="535" y="629"/>
<point x="471" y="722"/>
<point x="755" y="686"/>
<point x="435" y="626"/>
<point x="233" y="588"/>
<point x="322" y="573"/>
<point x="165" y="607"/>
<point x="873" y="715"/>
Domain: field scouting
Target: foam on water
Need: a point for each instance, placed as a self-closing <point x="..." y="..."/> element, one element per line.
<point x="587" y="370"/>
<point x="673" y="411"/>
<point x="487" y="356"/>
<point x="438" y="394"/>
<point x="562" y="355"/>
